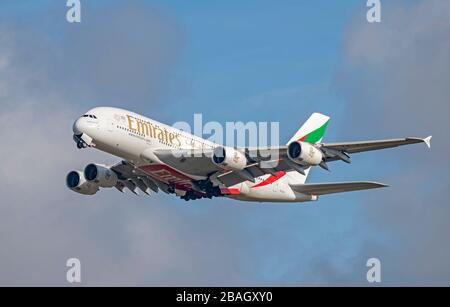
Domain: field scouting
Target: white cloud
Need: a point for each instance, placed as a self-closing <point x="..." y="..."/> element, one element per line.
<point x="395" y="79"/>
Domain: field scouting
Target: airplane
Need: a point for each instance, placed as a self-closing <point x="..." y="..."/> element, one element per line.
<point x="157" y="157"/>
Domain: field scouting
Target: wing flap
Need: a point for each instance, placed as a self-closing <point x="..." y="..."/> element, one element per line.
<point x="133" y="178"/>
<point x="337" y="187"/>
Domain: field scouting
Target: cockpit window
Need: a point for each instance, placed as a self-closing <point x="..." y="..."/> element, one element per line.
<point x="90" y="116"/>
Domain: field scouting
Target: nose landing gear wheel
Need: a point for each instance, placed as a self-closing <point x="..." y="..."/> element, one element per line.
<point x="81" y="144"/>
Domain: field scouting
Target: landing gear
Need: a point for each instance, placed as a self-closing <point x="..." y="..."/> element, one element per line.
<point x="80" y="143"/>
<point x="208" y="188"/>
<point x="209" y="192"/>
<point x="191" y="195"/>
<point x="213" y="192"/>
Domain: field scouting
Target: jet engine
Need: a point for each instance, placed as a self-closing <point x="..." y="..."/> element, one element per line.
<point x="100" y="174"/>
<point x="229" y="158"/>
<point x="304" y="153"/>
<point x="76" y="182"/>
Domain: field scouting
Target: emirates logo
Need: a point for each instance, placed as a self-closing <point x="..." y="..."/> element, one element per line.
<point x="236" y="157"/>
<point x="311" y="152"/>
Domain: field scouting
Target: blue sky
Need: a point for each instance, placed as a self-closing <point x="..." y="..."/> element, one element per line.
<point x="234" y="52"/>
<point x="230" y="61"/>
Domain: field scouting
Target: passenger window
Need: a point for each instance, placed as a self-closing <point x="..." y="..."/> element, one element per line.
<point x="89" y="115"/>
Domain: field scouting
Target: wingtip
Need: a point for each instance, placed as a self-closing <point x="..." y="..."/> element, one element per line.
<point x="375" y="184"/>
<point x="381" y="185"/>
<point x="427" y="141"/>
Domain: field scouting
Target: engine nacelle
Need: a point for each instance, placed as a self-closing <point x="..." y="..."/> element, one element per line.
<point x="100" y="174"/>
<point x="304" y="153"/>
<point x="76" y="182"/>
<point x="229" y="158"/>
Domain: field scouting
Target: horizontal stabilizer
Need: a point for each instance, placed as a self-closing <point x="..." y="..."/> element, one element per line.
<point x="337" y="187"/>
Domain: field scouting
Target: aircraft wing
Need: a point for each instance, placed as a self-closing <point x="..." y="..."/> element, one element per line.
<point x="271" y="160"/>
<point x="339" y="187"/>
<point x="338" y="151"/>
<point x="331" y="152"/>
<point x="354" y="147"/>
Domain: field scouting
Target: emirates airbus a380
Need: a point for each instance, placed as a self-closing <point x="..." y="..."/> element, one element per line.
<point x="157" y="157"/>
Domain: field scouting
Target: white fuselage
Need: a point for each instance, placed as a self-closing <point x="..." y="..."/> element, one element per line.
<point x="133" y="137"/>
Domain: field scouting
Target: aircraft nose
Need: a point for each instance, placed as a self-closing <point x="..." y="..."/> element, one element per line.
<point x="78" y="126"/>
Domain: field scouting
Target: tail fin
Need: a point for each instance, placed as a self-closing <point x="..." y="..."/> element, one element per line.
<point x="312" y="131"/>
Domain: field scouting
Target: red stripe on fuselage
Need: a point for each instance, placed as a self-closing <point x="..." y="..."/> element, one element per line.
<point x="270" y="179"/>
<point x="230" y="191"/>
